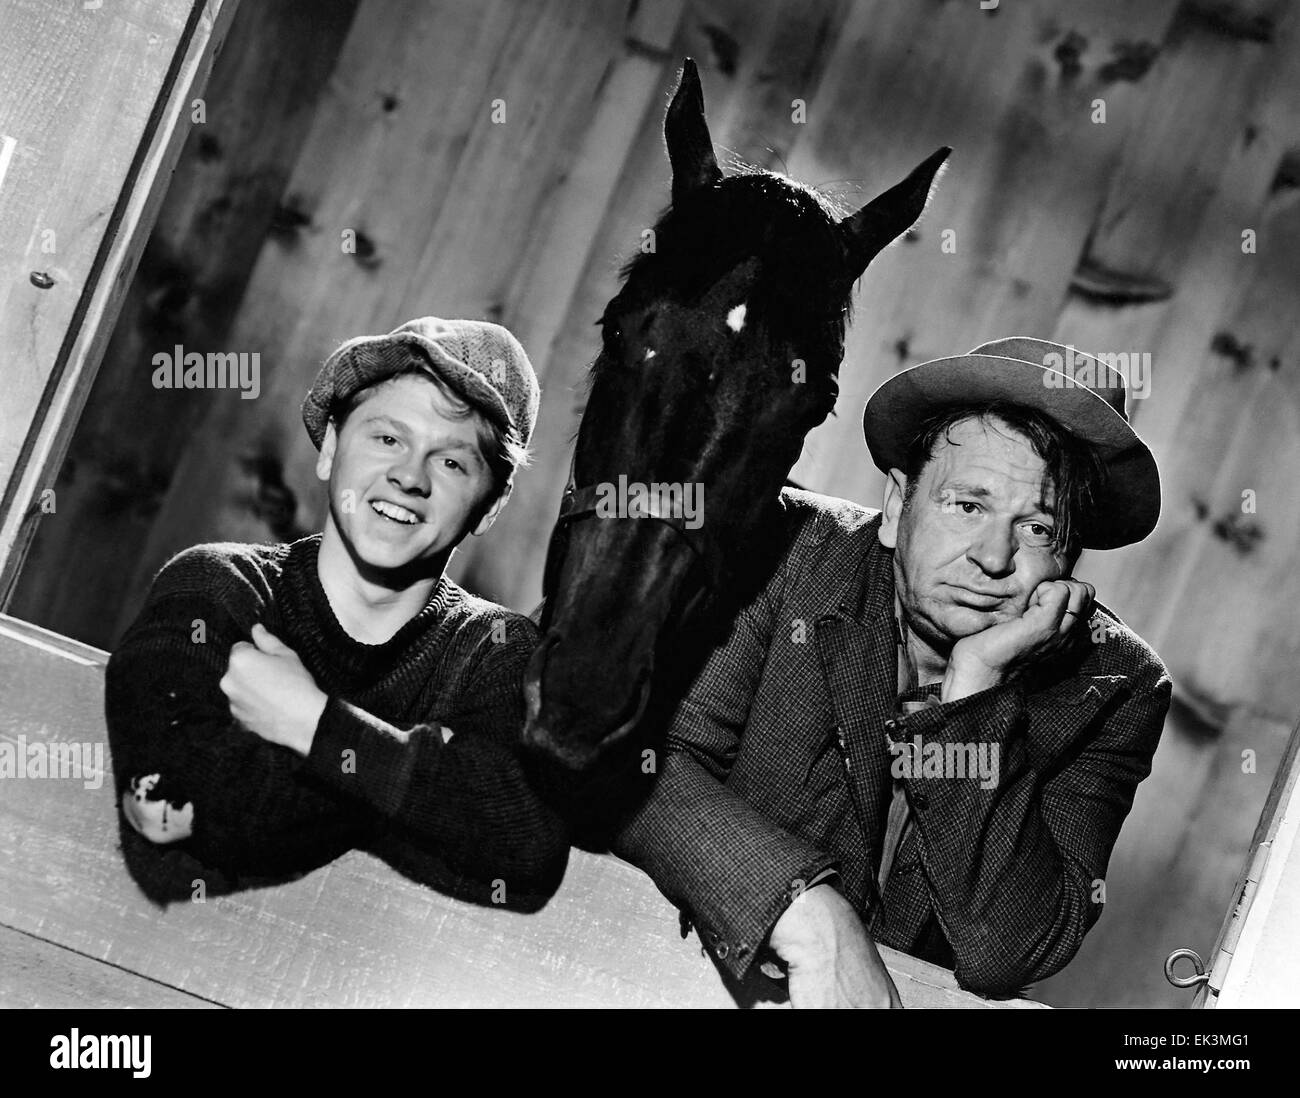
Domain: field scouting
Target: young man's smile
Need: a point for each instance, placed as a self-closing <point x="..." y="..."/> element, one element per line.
<point x="395" y="512"/>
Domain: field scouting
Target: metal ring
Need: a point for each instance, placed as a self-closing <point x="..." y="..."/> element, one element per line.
<point x="1185" y="981"/>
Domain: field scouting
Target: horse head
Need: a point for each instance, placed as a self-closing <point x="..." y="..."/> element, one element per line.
<point x="719" y="354"/>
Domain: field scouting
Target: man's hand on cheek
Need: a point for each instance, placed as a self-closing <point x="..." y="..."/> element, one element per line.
<point x="271" y="693"/>
<point x="991" y="656"/>
<point x="831" y="959"/>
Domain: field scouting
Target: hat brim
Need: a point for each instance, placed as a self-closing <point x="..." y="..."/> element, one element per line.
<point x="373" y="359"/>
<point x="1130" y="504"/>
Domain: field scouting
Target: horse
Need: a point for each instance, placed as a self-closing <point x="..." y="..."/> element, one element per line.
<point x="719" y="353"/>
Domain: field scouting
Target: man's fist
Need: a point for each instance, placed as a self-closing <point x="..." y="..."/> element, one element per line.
<point x="991" y="656"/>
<point x="832" y="960"/>
<point x="157" y="821"/>
<point x="271" y="693"/>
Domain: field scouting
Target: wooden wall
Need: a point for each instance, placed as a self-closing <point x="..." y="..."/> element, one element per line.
<point x="1122" y="235"/>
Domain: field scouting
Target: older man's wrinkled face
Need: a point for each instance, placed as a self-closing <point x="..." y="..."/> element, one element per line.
<point x="977" y="535"/>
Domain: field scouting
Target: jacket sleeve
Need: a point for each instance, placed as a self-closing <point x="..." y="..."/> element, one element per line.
<point x="254" y="814"/>
<point x="467" y="798"/>
<point x="723" y="863"/>
<point x="1015" y="867"/>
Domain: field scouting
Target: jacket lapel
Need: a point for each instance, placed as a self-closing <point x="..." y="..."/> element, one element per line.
<point x="858" y="653"/>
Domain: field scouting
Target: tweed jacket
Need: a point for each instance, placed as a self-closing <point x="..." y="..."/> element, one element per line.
<point x="778" y="767"/>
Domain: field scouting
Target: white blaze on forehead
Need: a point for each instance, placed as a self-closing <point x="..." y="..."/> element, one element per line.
<point x="736" y="318"/>
<point x="650" y="352"/>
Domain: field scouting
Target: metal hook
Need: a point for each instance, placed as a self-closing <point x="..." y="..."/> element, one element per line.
<point x="1185" y="981"/>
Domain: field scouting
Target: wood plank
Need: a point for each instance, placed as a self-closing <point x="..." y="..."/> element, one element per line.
<point x="1207" y="590"/>
<point x="1193" y="568"/>
<point x="354" y="933"/>
<point x="1028" y="170"/>
<point x="1229" y="948"/>
<point x="99" y="108"/>
<point x="1257" y="964"/>
<point x="36" y="974"/>
<point x="222" y="199"/>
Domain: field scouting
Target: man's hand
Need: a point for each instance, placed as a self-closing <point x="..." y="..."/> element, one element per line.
<point x="157" y="821"/>
<point x="271" y="693"/>
<point x="989" y="657"/>
<point x="832" y="960"/>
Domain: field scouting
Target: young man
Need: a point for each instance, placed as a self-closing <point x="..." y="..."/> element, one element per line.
<point x="276" y="705"/>
<point x="924" y="732"/>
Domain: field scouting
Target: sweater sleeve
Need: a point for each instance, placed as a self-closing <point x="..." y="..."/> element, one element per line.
<point x="466" y="799"/>
<point x="254" y="812"/>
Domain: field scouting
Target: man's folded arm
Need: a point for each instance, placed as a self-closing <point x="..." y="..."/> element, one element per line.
<point x="725" y="864"/>
<point x="732" y="870"/>
<point x="167" y="715"/>
<point x="1015" y="871"/>
<point x="463" y="793"/>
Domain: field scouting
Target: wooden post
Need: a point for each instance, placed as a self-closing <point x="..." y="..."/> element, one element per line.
<point x="95" y="101"/>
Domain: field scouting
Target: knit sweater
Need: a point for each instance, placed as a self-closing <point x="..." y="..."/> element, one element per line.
<point x="460" y="814"/>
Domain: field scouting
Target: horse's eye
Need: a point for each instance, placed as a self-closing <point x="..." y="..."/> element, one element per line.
<point x="612" y="333"/>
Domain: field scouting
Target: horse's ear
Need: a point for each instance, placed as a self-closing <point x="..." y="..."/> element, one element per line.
<point x="690" y="149"/>
<point x="891" y="214"/>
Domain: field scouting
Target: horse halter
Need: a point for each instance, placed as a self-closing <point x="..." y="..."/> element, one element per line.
<point x="579" y="503"/>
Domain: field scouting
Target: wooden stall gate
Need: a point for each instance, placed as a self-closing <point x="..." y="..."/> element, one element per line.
<point x="76" y="932"/>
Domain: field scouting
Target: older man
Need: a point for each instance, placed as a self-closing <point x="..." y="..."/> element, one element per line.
<point x="924" y="732"/>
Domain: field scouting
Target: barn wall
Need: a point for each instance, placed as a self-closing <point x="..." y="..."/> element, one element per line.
<point x="1116" y="235"/>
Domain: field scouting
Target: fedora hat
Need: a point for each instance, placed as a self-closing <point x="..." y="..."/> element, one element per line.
<point x="1079" y="391"/>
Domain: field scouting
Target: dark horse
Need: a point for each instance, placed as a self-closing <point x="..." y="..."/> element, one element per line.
<point x="720" y="353"/>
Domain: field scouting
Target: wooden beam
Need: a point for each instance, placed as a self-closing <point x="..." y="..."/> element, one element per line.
<point x="222" y="200"/>
<point x="99" y="100"/>
<point x="1255" y="963"/>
